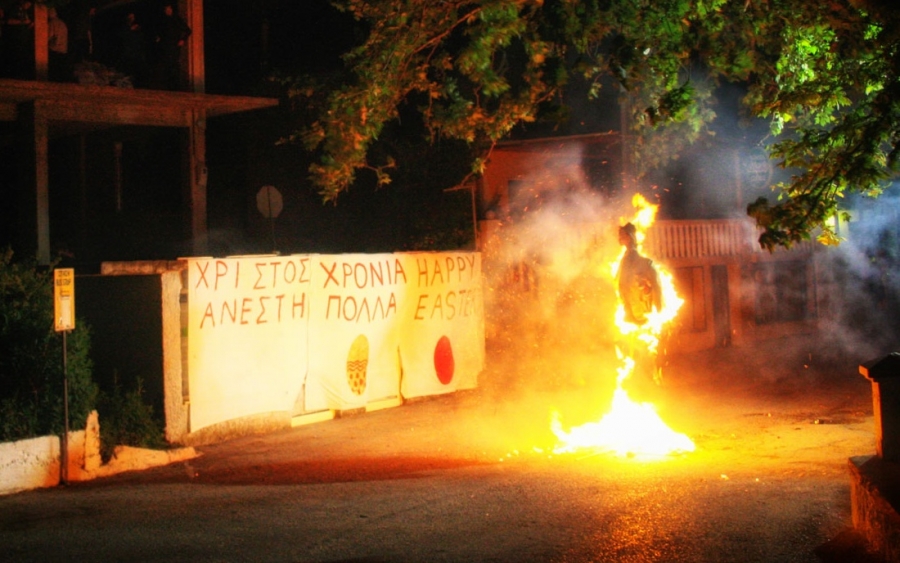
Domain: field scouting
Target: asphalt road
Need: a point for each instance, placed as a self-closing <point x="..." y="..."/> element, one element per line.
<point x="471" y="477"/>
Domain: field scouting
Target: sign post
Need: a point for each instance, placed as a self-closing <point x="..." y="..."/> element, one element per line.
<point x="270" y="203"/>
<point x="64" y="321"/>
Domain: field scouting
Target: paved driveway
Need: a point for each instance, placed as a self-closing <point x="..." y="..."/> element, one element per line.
<point x="471" y="477"/>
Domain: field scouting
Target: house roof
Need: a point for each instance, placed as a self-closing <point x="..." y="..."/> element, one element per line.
<point x="542" y="143"/>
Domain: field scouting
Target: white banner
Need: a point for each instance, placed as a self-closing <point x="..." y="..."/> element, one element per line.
<point x="309" y="333"/>
<point x="353" y="336"/>
<point x="442" y="348"/>
<point x="247" y="333"/>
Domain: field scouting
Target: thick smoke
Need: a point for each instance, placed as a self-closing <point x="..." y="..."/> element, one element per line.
<point x="860" y="281"/>
<point x="550" y="292"/>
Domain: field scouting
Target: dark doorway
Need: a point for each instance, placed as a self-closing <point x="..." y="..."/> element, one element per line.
<point x="721" y="306"/>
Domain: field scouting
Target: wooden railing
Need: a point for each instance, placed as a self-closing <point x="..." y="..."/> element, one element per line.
<point x="696" y="239"/>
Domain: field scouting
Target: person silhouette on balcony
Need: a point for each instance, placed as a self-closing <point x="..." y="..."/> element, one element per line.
<point x="17" y="56"/>
<point x="172" y="33"/>
<point x="83" y="32"/>
<point x="58" y="47"/>
<point x="133" y="50"/>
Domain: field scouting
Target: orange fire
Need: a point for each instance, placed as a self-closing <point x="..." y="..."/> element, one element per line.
<point x="630" y="428"/>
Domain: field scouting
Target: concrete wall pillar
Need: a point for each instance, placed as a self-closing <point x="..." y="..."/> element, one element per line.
<point x="884" y="373"/>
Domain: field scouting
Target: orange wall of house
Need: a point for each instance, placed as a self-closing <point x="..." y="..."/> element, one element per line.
<point x="507" y="165"/>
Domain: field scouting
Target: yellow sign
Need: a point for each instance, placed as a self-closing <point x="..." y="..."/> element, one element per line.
<point x="64" y="299"/>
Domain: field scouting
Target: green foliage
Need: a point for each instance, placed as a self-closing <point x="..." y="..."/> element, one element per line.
<point x="829" y="90"/>
<point x="31" y="357"/>
<point x="825" y="74"/>
<point x="126" y="419"/>
<point x="31" y="370"/>
<point x="453" y="60"/>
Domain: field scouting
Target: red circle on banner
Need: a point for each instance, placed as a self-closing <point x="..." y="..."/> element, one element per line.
<point x="443" y="360"/>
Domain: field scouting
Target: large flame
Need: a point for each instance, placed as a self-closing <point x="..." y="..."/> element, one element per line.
<point x="631" y="428"/>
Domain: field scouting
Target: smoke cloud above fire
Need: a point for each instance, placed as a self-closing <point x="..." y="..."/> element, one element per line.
<point x="549" y="291"/>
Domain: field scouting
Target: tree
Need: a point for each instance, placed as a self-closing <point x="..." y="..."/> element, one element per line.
<point x="825" y="74"/>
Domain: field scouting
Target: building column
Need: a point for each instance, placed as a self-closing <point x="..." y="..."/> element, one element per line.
<point x="34" y="181"/>
<point x="736" y="301"/>
<point x="196" y="69"/>
<point x="195" y="186"/>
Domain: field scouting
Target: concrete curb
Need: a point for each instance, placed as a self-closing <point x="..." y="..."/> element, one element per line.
<point x="35" y="463"/>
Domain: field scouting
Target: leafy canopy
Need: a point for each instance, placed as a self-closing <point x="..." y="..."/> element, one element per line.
<point x="825" y="74"/>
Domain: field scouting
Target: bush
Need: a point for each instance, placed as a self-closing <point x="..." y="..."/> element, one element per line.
<point x="31" y="352"/>
<point x="125" y="419"/>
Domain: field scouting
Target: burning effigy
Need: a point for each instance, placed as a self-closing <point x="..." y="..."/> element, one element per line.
<point x="646" y="303"/>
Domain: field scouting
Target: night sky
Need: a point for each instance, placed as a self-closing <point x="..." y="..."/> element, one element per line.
<point x="247" y="40"/>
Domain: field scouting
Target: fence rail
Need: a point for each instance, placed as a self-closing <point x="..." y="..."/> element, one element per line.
<point x="697" y="239"/>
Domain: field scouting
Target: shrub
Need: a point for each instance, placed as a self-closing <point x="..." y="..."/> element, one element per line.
<point x="31" y="353"/>
<point x="125" y="419"/>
